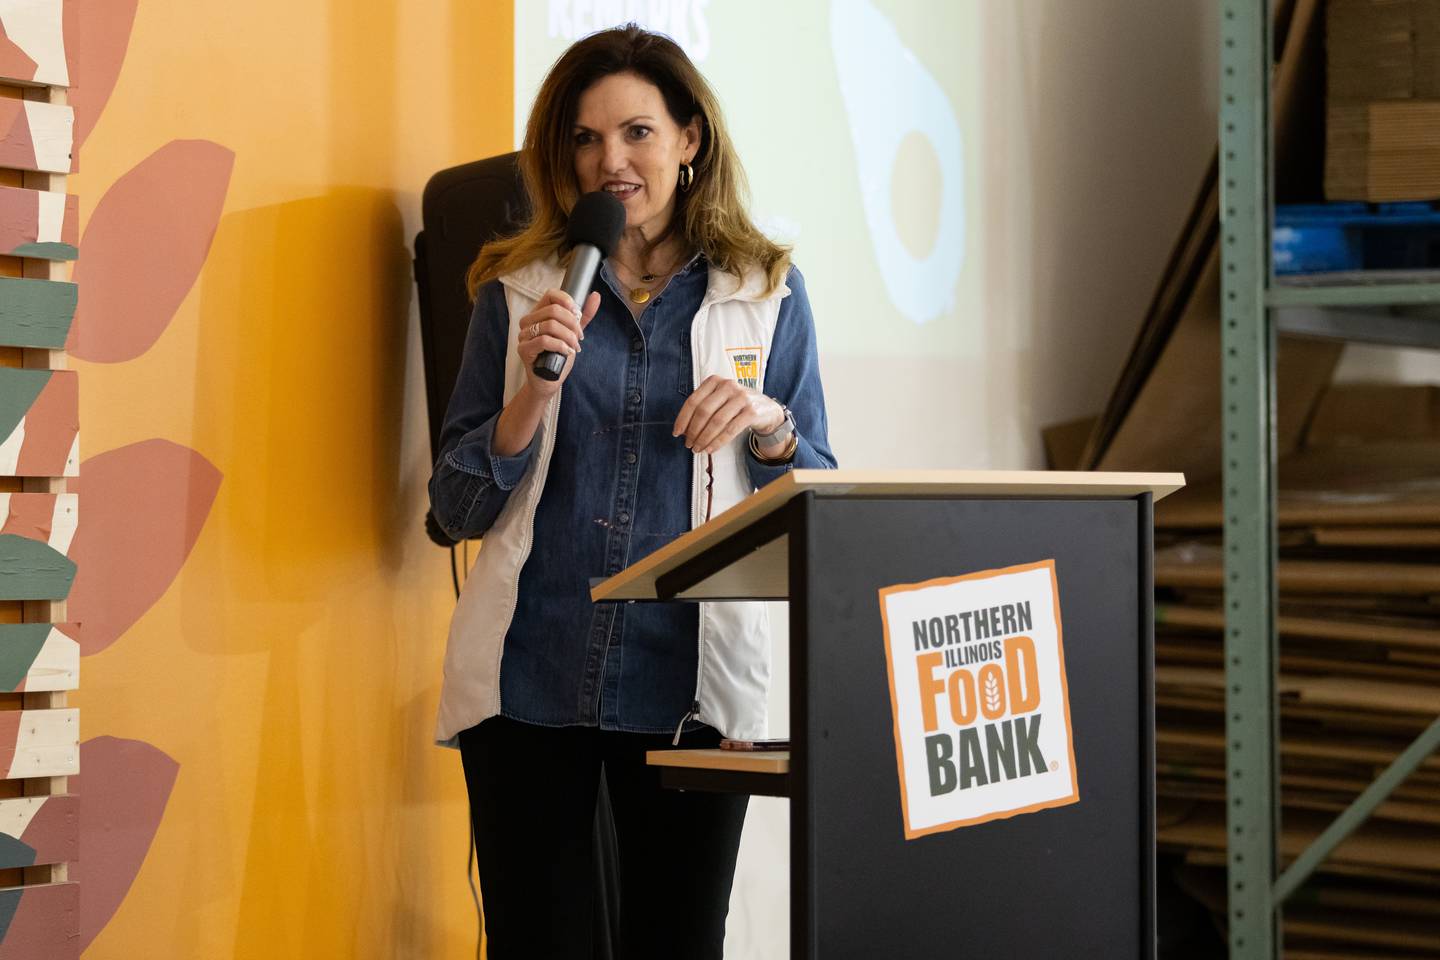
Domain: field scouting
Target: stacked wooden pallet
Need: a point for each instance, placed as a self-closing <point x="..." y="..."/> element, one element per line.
<point x="1383" y="100"/>
<point x="1359" y="673"/>
<point x="39" y="657"/>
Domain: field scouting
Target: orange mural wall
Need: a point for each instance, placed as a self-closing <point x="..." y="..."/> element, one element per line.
<point x="263" y="615"/>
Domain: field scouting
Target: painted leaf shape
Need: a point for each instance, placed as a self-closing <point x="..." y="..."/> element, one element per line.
<point x="15" y="852"/>
<point x="144" y="247"/>
<point x="94" y="55"/>
<point x="123" y="787"/>
<point x="19" y="390"/>
<point x="22" y="643"/>
<point x="39" y="920"/>
<point x="144" y="506"/>
<point x="14" y="61"/>
<point x="33" y="570"/>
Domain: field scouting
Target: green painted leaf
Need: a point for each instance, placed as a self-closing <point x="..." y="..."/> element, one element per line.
<point x="47" y="251"/>
<point x="20" y="643"/>
<point x="9" y="903"/>
<point x="31" y="570"/>
<point x="18" y="390"/>
<point x="36" y="313"/>
<point x="15" y="853"/>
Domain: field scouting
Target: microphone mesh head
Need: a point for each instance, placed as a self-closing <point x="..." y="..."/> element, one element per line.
<point x="598" y="220"/>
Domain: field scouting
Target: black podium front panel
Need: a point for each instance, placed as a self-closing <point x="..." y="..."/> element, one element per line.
<point x="1071" y="879"/>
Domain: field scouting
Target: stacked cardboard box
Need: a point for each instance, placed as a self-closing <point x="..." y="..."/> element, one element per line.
<point x="1358" y="679"/>
<point x="1382" y="50"/>
<point x="1382" y="138"/>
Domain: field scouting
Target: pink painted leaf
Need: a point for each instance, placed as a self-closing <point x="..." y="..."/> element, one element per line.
<point x="93" y="54"/>
<point x="144" y="506"/>
<point x="45" y="922"/>
<point x="144" y="247"/>
<point x="123" y="787"/>
<point x="14" y="61"/>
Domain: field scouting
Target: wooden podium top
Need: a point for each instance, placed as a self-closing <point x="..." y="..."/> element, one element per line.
<point x="764" y="573"/>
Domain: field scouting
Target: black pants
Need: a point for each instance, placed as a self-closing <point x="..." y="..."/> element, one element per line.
<point x="532" y="797"/>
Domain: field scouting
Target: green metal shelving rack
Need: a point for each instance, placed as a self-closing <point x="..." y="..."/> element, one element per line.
<point x="1253" y="309"/>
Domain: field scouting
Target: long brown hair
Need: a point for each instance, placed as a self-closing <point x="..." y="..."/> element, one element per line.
<point x="711" y="216"/>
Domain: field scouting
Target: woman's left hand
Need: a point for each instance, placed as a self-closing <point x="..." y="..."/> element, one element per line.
<point x="719" y="409"/>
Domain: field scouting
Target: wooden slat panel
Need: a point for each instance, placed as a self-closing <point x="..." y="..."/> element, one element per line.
<point x="47" y="517"/>
<point x="36" y="657"/>
<point x="39" y="658"/>
<point x="39" y="224"/>
<point x="39" y="830"/>
<point x="36" y="313"/>
<point x="36" y="135"/>
<point x="44" y="922"/>
<point x="39" y="417"/>
<point x="36" y="530"/>
<point x="32" y="43"/>
<point x="40" y="743"/>
<point x="30" y="570"/>
<point x="39" y="420"/>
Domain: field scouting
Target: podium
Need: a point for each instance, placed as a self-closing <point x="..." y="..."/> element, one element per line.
<point x="971" y="771"/>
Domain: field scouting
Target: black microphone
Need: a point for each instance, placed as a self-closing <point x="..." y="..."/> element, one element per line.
<point x="594" y="230"/>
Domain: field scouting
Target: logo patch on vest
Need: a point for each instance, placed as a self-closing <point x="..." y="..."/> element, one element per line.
<point x="746" y="361"/>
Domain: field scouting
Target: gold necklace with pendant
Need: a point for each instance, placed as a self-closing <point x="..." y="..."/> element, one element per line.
<point x="643" y="294"/>
<point x="640" y="294"/>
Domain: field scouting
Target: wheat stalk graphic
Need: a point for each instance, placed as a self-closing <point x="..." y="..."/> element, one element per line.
<point x="992" y="694"/>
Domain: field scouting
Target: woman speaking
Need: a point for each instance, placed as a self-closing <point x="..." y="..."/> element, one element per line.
<point x="690" y="379"/>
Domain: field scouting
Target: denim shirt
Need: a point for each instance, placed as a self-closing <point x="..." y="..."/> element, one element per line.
<point x="618" y="488"/>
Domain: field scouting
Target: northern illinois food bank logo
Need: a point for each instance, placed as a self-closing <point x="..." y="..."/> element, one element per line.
<point x="978" y="696"/>
<point x="746" y="361"/>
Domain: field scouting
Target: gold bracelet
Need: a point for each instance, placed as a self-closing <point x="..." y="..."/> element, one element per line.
<point x="784" y="458"/>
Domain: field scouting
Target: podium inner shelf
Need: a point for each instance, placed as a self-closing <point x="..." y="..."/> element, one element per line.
<point x="762" y="773"/>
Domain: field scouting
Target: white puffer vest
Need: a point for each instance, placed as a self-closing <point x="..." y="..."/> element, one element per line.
<point x="733" y="679"/>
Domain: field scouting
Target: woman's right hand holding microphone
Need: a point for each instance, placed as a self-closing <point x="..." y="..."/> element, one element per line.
<point x="555" y="325"/>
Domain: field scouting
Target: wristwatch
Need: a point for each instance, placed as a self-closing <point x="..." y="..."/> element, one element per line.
<point x="780" y="434"/>
<point x="785" y="433"/>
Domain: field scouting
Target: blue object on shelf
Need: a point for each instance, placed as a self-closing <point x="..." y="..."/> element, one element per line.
<point x="1326" y="237"/>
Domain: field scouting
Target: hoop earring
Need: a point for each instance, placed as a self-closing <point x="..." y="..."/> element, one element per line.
<point x="687" y="176"/>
